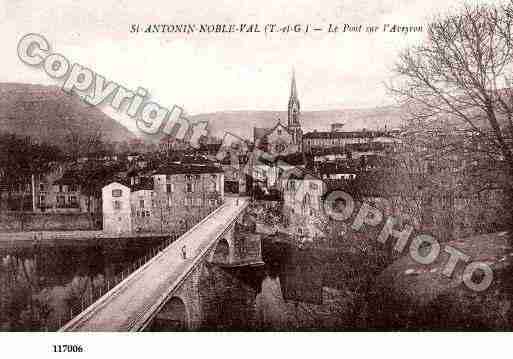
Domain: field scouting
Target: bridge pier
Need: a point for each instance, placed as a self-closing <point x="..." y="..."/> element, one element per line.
<point x="213" y="298"/>
<point x="213" y="288"/>
<point x="173" y="316"/>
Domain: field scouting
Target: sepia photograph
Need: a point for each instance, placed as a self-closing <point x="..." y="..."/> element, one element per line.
<point x="339" y="168"/>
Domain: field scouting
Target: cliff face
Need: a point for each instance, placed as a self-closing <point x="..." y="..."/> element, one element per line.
<point x="48" y="114"/>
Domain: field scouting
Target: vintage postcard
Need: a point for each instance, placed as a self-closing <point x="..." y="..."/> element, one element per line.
<point x="271" y="166"/>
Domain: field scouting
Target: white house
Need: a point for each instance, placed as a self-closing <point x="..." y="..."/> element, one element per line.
<point x="116" y="208"/>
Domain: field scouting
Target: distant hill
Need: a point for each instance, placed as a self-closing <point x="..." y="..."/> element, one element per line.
<point x="242" y="122"/>
<point x="48" y="114"/>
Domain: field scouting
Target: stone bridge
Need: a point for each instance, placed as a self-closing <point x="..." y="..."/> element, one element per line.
<point x="190" y="284"/>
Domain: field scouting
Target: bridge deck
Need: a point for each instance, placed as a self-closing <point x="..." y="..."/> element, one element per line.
<point x="129" y="304"/>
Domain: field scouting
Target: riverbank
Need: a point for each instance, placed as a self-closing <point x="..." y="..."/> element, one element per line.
<point x="52" y="238"/>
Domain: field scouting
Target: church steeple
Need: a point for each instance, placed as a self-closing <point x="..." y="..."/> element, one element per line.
<point x="293" y="90"/>
<point x="294" y="107"/>
<point x="294" y="111"/>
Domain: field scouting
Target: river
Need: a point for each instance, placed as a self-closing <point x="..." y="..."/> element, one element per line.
<point x="43" y="286"/>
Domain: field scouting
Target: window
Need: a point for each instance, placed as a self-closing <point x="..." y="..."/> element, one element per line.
<point x="197" y="177"/>
<point x="213" y="186"/>
<point x="41" y="187"/>
<point x="141" y="203"/>
<point x="313" y="186"/>
<point x="306" y="201"/>
<point x="292" y="185"/>
<point x="169" y="188"/>
<point x="116" y="205"/>
<point x="117" y="193"/>
<point x="73" y="200"/>
<point x="279" y="132"/>
<point x="60" y="201"/>
<point x="189" y="188"/>
<point x="154" y="203"/>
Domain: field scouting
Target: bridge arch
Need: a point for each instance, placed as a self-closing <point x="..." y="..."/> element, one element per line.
<point x="174" y="316"/>
<point x="222" y="251"/>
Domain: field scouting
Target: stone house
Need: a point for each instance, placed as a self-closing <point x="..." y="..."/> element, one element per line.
<point x="303" y="206"/>
<point x="171" y="199"/>
<point x="117" y="211"/>
<point x="59" y="191"/>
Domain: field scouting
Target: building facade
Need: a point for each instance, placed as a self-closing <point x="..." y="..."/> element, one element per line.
<point x="175" y="197"/>
<point x="352" y="142"/>
<point x="303" y="206"/>
<point x="56" y="192"/>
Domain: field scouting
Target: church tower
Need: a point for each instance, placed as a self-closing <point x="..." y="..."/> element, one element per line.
<point x="293" y="112"/>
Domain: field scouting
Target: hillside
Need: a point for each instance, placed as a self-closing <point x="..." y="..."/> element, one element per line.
<point x="48" y="114"/>
<point x="242" y="122"/>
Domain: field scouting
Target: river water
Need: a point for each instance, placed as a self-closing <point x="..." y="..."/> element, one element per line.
<point x="43" y="286"/>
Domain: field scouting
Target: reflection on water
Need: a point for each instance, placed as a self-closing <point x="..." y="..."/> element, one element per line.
<point x="303" y="289"/>
<point x="43" y="286"/>
<point x="270" y="307"/>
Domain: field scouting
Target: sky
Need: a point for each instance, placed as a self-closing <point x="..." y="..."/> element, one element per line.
<point x="222" y="72"/>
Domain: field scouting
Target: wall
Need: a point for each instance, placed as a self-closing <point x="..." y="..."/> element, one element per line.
<point x="227" y="301"/>
<point x="303" y="207"/>
<point x="23" y="221"/>
<point x="116" y="220"/>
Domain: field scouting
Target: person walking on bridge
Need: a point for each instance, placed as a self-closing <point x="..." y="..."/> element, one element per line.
<point x="184" y="252"/>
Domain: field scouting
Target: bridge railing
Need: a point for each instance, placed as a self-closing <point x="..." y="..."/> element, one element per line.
<point x="145" y="320"/>
<point x="93" y="290"/>
<point x="81" y="308"/>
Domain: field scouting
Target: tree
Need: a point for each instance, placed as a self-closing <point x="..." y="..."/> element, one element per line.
<point x="79" y="144"/>
<point x="20" y="158"/>
<point x="454" y="82"/>
<point x="455" y="86"/>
